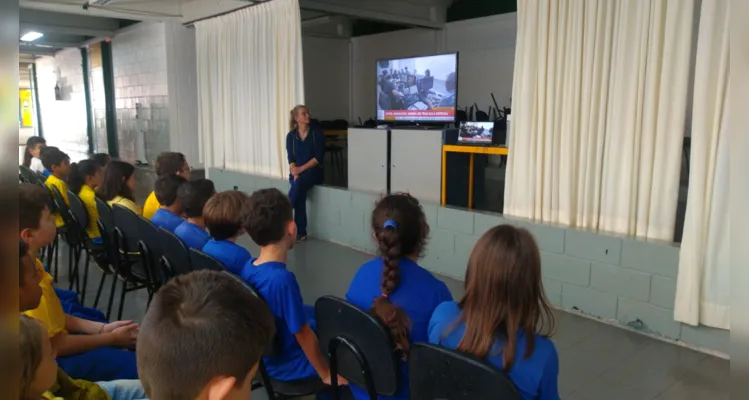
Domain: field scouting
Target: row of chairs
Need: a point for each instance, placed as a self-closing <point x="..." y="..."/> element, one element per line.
<point x="359" y="348"/>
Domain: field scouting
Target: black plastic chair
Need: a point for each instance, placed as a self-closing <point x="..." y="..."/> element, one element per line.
<point x="93" y="250"/>
<point x="200" y="261"/>
<point x="29" y="176"/>
<point x="151" y="251"/>
<point x="71" y="236"/>
<point x="105" y="223"/>
<point x="175" y="259"/>
<point x="358" y="347"/>
<point x="435" y="372"/>
<point x="133" y="274"/>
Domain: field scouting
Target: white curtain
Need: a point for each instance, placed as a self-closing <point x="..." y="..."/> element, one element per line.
<point x="599" y="99"/>
<point x="703" y="291"/>
<point x="249" y="78"/>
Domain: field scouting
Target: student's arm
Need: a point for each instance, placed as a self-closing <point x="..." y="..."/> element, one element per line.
<point x="308" y="342"/>
<point x="67" y="344"/>
<point x="75" y="324"/>
<point x="548" y="388"/>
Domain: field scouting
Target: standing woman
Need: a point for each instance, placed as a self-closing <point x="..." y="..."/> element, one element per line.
<point x="305" y="148"/>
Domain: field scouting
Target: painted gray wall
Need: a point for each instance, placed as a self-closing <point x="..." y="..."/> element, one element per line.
<point x="622" y="280"/>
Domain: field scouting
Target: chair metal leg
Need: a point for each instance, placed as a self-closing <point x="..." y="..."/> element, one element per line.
<point x="98" y="291"/>
<point x="71" y="278"/>
<point x="122" y="299"/>
<point x="85" y="278"/>
<point x="115" y="276"/>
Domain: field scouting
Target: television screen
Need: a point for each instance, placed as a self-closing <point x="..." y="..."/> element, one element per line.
<point x="417" y="88"/>
<point x="476" y="132"/>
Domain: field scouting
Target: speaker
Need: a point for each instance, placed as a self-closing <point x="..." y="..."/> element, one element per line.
<point x="451" y="136"/>
<point x="499" y="133"/>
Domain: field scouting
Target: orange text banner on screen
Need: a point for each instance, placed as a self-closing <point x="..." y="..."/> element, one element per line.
<point x="472" y="150"/>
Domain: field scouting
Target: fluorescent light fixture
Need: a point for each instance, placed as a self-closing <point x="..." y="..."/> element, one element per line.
<point x="31" y="36"/>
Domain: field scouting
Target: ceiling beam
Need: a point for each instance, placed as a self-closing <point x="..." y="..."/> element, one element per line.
<point x="96" y="11"/>
<point x="65" y="30"/>
<point x="36" y="51"/>
<point x="424" y="15"/>
<point x="43" y="44"/>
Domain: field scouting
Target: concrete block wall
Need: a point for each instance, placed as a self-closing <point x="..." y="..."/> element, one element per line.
<point x="618" y="279"/>
<point x="142" y="99"/>
<point x="63" y="121"/>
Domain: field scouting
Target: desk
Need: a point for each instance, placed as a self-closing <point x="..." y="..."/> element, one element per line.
<point x="489" y="150"/>
<point x="333" y="133"/>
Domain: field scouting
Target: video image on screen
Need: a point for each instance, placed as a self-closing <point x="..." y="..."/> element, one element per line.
<point x="476" y="132"/>
<point x="417" y="89"/>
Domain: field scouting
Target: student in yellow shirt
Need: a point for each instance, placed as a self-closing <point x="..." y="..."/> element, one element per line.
<point x="118" y="184"/>
<point x="36" y="362"/>
<point x="166" y="164"/>
<point x="87" y="349"/>
<point x="84" y="178"/>
<point x="58" y="164"/>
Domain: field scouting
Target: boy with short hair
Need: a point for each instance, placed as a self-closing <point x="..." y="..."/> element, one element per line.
<point x="87" y="355"/>
<point x="169" y="215"/>
<point x="58" y="164"/>
<point x="29" y="297"/>
<point x="167" y="163"/>
<point x="202" y="338"/>
<point x="269" y="220"/>
<point x="222" y="216"/>
<point x="193" y="195"/>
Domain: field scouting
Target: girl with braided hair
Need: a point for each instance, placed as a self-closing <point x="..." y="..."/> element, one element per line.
<point x="393" y="286"/>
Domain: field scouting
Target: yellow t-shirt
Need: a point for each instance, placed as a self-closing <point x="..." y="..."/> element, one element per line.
<point x="62" y="186"/>
<point x="151" y="206"/>
<point x="50" y="311"/>
<point x="127" y="203"/>
<point x="88" y="197"/>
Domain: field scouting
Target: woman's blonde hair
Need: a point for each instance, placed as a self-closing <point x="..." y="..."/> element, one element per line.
<point x="31" y="348"/>
<point x="293" y="114"/>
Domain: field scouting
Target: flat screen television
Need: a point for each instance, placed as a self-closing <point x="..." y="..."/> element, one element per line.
<point x="417" y="89"/>
<point x="472" y="132"/>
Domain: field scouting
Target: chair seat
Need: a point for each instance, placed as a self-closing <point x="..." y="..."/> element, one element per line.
<point x="301" y="387"/>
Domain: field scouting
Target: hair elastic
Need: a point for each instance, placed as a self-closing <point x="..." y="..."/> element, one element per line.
<point x="390" y="224"/>
<point x="385" y="295"/>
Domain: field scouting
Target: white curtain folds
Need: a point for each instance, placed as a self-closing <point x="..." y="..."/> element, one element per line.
<point x="249" y="77"/>
<point x="703" y="291"/>
<point x="599" y="103"/>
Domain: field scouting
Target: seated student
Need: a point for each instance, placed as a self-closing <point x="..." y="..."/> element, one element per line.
<point x="193" y="195"/>
<point x="101" y="158"/>
<point x="270" y="223"/>
<point x="84" y="178"/>
<point x="30" y="295"/>
<point x="405" y="294"/>
<point x="167" y="163"/>
<point x="58" y="163"/>
<point x="222" y="216"/>
<point x="169" y="214"/>
<point x="202" y="338"/>
<point x="31" y="156"/>
<point x="41" y="378"/>
<point x="504" y="270"/>
<point x="117" y="185"/>
<point x="87" y="350"/>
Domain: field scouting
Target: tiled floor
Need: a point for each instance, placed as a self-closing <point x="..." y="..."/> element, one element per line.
<point x="597" y="361"/>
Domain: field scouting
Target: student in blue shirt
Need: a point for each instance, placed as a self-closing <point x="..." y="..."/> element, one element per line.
<point x="269" y="222"/>
<point x="169" y="215"/>
<point x="393" y="286"/>
<point x="222" y="215"/>
<point x="193" y="195"/>
<point x="305" y="149"/>
<point x="504" y="316"/>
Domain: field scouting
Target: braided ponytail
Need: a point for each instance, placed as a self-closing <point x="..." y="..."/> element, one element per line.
<point x="400" y="228"/>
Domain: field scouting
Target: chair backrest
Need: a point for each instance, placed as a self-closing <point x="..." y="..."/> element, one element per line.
<point x="127" y="222"/>
<point x="105" y="216"/>
<point x="78" y="209"/>
<point x="150" y="239"/>
<point x="29" y="176"/>
<point x="275" y="346"/>
<point x="364" y="334"/>
<point x="200" y="260"/>
<point x="435" y="372"/>
<point x="176" y="254"/>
